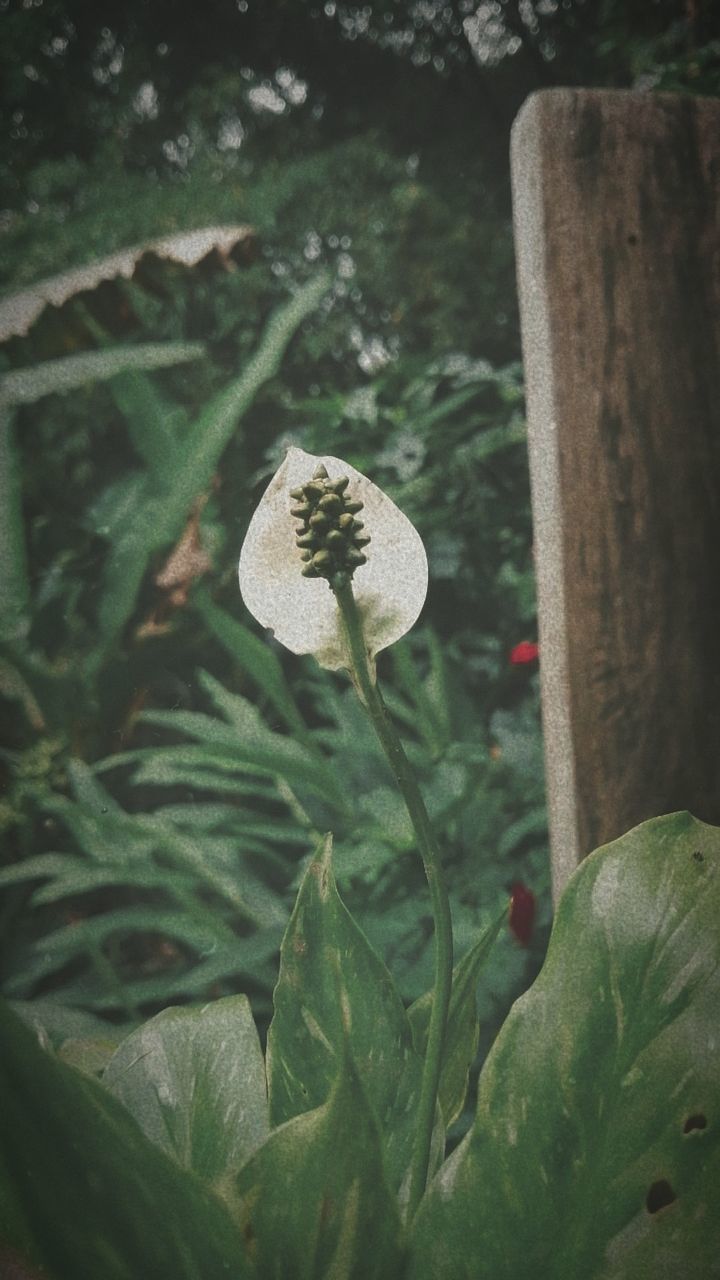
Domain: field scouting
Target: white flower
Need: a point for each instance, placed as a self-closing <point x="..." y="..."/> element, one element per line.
<point x="390" y="588"/>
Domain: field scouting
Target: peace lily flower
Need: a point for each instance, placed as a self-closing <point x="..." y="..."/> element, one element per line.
<point x="304" y="533"/>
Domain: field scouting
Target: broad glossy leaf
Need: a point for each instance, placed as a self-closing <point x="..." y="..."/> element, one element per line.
<point x="82" y="1191"/>
<point x="463" y="1028"/>
<point x="314" y="1203"/>
<point x="595" y="1152"/>
<point x="194" y="1080"/>
<point x="333" y="984"/>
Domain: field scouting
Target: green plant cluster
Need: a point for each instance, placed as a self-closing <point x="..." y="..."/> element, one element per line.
<point x="594" y="1145"/>
<point x="157" y="815"/>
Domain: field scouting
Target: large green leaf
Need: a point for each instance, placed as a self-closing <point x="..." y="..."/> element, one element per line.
<point x="314" y="1203"/>
<point x="194" y="1079"/>
<point x="333" y="984"/>
<point x="595" y="1152"/>
<point x="463" y="1028"/>
<point x="82" y="1191"/>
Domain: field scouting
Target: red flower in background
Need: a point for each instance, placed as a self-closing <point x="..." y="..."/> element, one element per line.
<point x="522" y="912"/>
<point x="524" y="652"/>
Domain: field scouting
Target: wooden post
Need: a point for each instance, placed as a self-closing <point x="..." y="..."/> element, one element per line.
<point x="617" y="210"/>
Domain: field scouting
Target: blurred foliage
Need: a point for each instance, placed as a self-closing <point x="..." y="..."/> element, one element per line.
<point x="167" y="770"/>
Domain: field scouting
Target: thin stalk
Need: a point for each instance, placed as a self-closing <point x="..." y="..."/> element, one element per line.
<point x="367" y="688"/>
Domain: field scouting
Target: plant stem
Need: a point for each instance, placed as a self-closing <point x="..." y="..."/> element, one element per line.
<point x="364" y="680"/>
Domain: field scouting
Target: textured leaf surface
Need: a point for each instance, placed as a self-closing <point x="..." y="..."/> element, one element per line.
<point x="84" y="1194"/>
<point x="194" y="1080"/>
<point x="331" y="979"/>
<point x="596" y="1148"/>
<point x="314" y="1203"/>
<point x="463" y="1028"/>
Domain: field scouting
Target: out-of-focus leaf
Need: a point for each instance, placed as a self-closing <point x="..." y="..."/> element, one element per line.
<point x="114" y="839"/>
<point x="83" y="937"/>
<point x="55" y="377"/>
<point x="190" y="468"/>
<point x="155" y="425"/>
<point x="255" y="657"/>
<point x="200" y="767"/>
<point x="463" y="1029"/>
<point x="595" y="1150"/>
<point x="88" y="791"/>
<point x="38" y="867"/>
<point x="423" y="711"/>
<point x="114" y="506"/>
<point x="84" y="1193"/>
<point x="533" y="823"/>
<point x="314" y="1203"/>
<point x="55" y="1023"/>
<point x="19" y="311"/>
<point x="89" y="1056"/>
<point x="248" y="741"/>
<point x="14" y="588"/>
<point x="331" y="979"/>
<point x="249" y="959"/>
<point x="194" y="1080"/>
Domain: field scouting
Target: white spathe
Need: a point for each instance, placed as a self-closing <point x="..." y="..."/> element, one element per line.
<point x="390" y="589"/>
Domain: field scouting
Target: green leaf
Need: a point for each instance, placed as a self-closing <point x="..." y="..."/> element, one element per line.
<point x="423" y="712"/>
<point x="598" y="1104"/>
<point x="89" y="792"/>
<point x="25" y="386"/>
<point x="249" y="959"/>
<point x="56" y="1023"/>
<point x="155" y="425"/>
<point x="463" y="1028"/>
<point x="200" y="767"/>
<point x="194" y="1080"/>
<point x="90" y="1056"/>
<point x="331" y="978"/>
<point x="14" y="586"/>
<point x="314" y="1203"/>
<point x="254" y="656"/>
<point x="190" y="468"/>
<point x="247" y="741"/>
<point x="82" y="1191"/>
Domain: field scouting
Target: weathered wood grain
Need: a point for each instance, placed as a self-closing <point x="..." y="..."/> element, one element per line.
<point x="617" y="211"/>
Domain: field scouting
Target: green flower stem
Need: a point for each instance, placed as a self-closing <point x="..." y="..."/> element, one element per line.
<point x="371" y="697"/>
